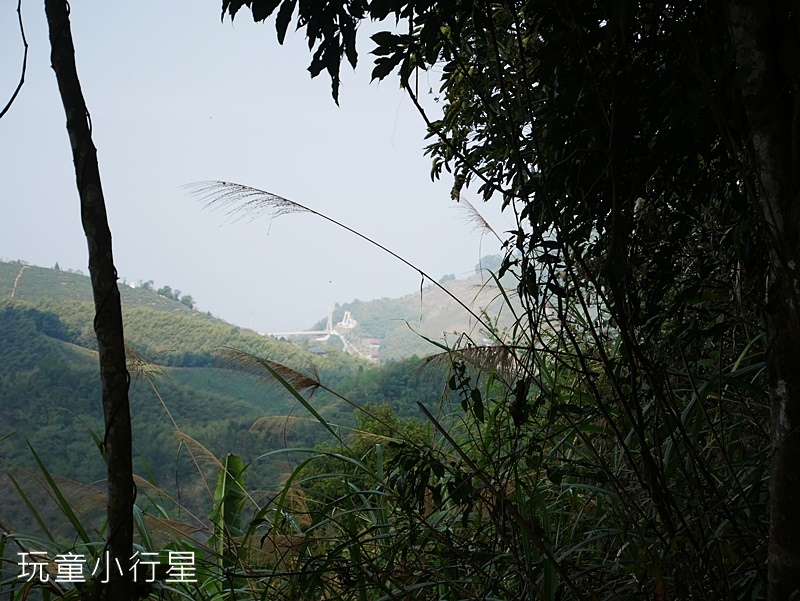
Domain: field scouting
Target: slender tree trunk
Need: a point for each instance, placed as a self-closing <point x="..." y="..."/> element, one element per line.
<point x="765" y="36"/>
<point x="108" y="312"/>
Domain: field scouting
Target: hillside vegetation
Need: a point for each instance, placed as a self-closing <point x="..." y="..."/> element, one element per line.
<point x="163" y="330"/>
<point x="403" y="326"/>
<point x="50" y="392"/>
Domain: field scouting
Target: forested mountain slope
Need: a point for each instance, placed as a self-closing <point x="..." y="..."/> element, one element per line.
<point x="50" y="392"/>
<point x="401" y="327"/>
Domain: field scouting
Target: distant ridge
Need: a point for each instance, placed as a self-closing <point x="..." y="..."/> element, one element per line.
<point x="398" y="327"/>
<point x="50" y="387"/>
<point x="162" y="329"/>
<point x="387" y="328"/>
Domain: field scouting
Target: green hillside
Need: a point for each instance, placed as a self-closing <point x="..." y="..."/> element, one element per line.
<point x="398" y="327"/>
<point x="168" y="332"/>
<point x="163" y="330"/>
<point x="50" y="392"/>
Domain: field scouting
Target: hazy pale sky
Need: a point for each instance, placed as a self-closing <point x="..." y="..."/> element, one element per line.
<point x="176" y="96"/>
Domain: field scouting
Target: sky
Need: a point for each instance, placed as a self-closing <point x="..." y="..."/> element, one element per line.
<point x="177" y="96"/>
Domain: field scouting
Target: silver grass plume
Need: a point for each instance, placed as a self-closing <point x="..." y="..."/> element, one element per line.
<point x="473" y="217"/>
<point x="83" y="499"/>
<point x="200" y="455"/>
<point x="240" y="202"/>
<point x="164" y="531"/>
<point x="139" y="367"/>
<point x="304" y="383"/>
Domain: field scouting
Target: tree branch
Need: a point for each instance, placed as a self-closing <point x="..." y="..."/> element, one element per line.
<point x="24" y="62"/>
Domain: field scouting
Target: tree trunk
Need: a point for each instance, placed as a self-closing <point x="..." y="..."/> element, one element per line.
<point x="108" y="312"/>
<point x="765" y="36"/>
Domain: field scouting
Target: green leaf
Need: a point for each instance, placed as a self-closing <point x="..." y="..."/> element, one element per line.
<point x="284" y="17"/>
<point x="384" y="66"/>
<point x="230" y="499"/>
<point x="477" y="404"/>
